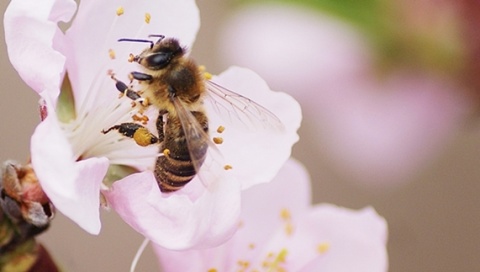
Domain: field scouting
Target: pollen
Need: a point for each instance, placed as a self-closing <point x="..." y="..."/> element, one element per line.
<point x="273" y="262"/>
<point x="212" y="270"/>
<point x="131" y="58"/>
<point x="166" y="152"/>
<point x="207" y="75"/>
<point x="282" y="256"/>
<point x="111" y="53"/>
<point x="227" y="167"/>
<point x="323" y="247"/>
<point x="243" y="264"/>
<point x="220" y="129"/>
<point x="218" y="140"/>
<point x="140" y="118"/>
<point x="289" y="229"/>
<point x="251" y="246"/>
<point x="285" y="215"/>
<point x="142" y="137"/>
<point x="147" y="17"/>
<point x="120" y="11"/>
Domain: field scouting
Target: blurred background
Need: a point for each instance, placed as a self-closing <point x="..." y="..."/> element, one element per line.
<point x="390" y="97"/>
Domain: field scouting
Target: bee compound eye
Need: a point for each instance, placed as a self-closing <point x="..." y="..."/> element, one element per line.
<point x="158" y="60"/>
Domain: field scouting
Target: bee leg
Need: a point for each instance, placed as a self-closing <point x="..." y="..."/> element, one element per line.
<point x="139" y="133"/>
<point x="141" y="76"/>
<point x="160" y="124"/>
<point x="124" y="89"/>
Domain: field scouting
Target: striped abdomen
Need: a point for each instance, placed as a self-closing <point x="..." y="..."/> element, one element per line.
<point x="176" y="168"/>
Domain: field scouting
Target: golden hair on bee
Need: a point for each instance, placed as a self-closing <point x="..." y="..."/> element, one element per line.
<point x="175" y="85"/>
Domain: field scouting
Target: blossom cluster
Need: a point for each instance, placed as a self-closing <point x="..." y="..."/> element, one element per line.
<point x="82" y="169"/>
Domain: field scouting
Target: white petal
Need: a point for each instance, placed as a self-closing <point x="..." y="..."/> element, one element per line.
<point x="97" y="28"/>
<point x="256" y="154"/>
<point x="174" y="220"/>
<point x="73" y="187"/>
<point x="30" y="29"/>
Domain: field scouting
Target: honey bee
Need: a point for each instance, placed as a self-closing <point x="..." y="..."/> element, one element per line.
<point x="177" y="86"/>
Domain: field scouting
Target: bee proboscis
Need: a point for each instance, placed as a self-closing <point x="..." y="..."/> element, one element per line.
<point x="176" y="85"/>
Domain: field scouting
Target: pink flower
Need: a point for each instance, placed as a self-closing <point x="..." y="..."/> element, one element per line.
<point x="281" y="231"/>
<point x="368" y="128"/>
<point x="75" y="162"/>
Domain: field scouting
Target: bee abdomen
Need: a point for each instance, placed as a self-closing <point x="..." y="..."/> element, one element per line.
<point x="172" y="174"/>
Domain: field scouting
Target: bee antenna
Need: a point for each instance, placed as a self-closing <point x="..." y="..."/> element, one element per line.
<point x="159" y="36"/>
<point x="136" y="40"/>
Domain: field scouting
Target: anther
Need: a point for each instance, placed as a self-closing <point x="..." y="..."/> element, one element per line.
<point x="323" y="247"/>
<point x="120" y="11"/>
<point x="147" y="17"/>
<point x="111" y="54"/>
<point x="218" y="140"/>
<point x="220" y="129"/>
<point x="285" y="214"/>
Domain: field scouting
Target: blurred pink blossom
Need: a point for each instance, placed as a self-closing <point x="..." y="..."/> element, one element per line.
<point x="71" y="156"/>
<point x="370" y="127"/>
<point x="286" y="233"/>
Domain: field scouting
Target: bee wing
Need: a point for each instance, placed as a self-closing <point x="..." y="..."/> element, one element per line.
<point x="207" y="164"/>
<point x="236" y="107"/>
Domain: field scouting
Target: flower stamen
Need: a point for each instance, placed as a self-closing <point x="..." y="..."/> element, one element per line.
<point x="218" y="140"/>
<point x="220" y="129"/>
<point x="140" y="118"/>
<point x="120" y="11"/>
<point x="111" y="53"/>
<point x="148" y="16"/>
<point x="286" y="216"/>
<point x="323" y="247"/>
<point x="275" y="264"/>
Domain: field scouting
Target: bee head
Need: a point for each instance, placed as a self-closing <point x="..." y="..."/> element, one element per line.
<point x="160" y="55"/>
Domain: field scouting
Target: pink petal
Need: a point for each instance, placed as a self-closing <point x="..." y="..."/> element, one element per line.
<point x="30" y="28"/>
<point x="302" y="52"/>
<point x="355" y="240"/>
<point x="356" y="120"/>
<point x="408" y="120"/>
<point x="174" y="220"/>
<point x="73" y="187"/>
<point x="256" y="154"/>
<point x="261" y="206"/>
<point x="97" y="27"/>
